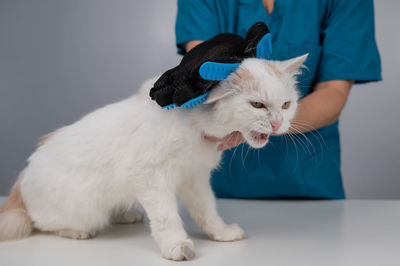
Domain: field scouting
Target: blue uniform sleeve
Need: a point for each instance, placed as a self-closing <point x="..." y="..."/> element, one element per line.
<point x="196" y="20"/>
<point x="349" y="50"/>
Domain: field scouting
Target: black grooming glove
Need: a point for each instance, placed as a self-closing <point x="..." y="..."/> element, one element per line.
<point x="184" y="82"/>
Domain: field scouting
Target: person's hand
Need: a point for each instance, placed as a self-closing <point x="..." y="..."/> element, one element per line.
<point x="228" y="142"/>
<point x="184" y="82"/>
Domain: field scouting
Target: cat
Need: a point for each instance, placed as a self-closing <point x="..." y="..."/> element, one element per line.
<point x="89" y="174"/>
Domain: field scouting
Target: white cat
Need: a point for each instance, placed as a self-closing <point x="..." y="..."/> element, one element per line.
<point x="89" y="174"/>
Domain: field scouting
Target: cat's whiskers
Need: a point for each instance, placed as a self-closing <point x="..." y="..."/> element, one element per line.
<point x="286" y="145"/>
<point x="298" y="129"/>
<point x="301" y="143"/>
<point x="243" y="159"/>
<point x="295" y="146"/>
<point x="310" y="129"/>
<point x="307" y="78"/>
<point x="308" y="126"/>
<point x="298" y="135"/>
<point x="234" y="152"/>
<point x="247" y="152"/>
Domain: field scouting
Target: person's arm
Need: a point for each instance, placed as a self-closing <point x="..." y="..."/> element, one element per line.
<point x="196" y="20"/>
<point x="322" y="107"/>
<point x="191" y="44"/>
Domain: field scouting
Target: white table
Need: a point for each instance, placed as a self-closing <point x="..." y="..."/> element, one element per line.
<point x="351" y="232"/>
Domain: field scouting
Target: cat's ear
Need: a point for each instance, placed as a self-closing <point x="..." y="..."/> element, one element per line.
<point x="217" y="93"/>
<point x="292" y="65"/>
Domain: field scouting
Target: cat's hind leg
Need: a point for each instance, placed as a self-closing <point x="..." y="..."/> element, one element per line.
<point x="127" y="216"/>
<point x="79" y="235"/>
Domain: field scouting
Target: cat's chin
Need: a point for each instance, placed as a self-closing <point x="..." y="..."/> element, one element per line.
<point x="257" y="139"/>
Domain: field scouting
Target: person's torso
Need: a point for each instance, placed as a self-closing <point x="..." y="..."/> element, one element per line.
<point x="293" y="165"/>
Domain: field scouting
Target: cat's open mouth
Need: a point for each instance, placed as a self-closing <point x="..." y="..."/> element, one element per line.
<point x="259" y="138"/>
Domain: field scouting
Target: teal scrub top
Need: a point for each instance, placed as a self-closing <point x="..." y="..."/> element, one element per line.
<point x="339" y="37"/>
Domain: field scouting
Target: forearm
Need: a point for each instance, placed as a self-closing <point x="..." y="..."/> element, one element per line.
<point x="191" y="44"/>
<point x="322" y="107"/>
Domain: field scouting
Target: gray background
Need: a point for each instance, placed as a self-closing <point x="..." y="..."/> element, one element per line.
<point x="61" y="59"/>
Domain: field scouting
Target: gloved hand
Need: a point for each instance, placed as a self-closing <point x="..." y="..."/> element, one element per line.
<point x="184" y="82"/>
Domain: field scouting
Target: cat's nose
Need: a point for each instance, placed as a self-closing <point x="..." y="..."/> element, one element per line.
<point x="276" y="125"/>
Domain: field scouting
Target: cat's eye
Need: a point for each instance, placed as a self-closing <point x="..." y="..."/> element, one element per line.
<point x="285" y="105"/>
<point x="257" y="104"/>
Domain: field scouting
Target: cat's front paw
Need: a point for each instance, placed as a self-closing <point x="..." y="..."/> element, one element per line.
<point x="182" y="250"/>
<point x="231" y="232"/>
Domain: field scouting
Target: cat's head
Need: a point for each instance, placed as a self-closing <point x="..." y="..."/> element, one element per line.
<point x="258" y="99"/>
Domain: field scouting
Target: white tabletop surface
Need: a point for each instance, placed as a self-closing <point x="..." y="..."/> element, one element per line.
<point x="351" y="232"/>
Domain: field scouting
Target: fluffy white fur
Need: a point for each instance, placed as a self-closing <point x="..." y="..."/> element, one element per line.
<point x="92" y="173"/>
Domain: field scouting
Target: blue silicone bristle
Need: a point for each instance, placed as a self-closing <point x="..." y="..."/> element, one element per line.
<point x="189" y="104"/>
<point x="217" y="71"/>
<point x="170" y="106"/>
<point x="194" y="102"/>
<point x="264" y="47"/>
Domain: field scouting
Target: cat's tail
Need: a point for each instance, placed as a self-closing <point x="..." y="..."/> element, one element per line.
<point x="14" y="219"/>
